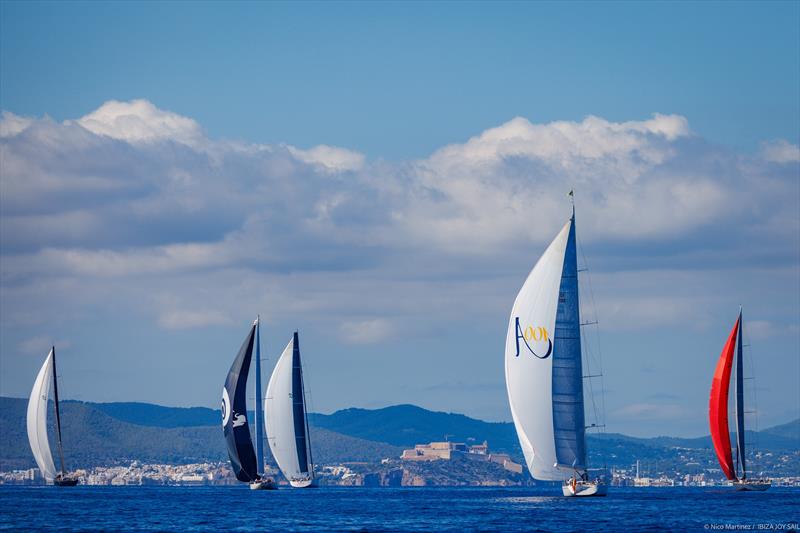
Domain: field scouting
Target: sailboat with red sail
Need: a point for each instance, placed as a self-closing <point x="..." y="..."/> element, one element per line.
<point x="718" y="413"/>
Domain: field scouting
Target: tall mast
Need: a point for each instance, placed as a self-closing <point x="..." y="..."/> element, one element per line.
<point x="740" y="449"/>
<point x="305" y="414"/>
<point x="58" y="413"/>
<point x="259" y="399"/>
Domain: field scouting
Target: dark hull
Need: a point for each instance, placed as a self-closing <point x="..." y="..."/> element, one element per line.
<point x="65" y="482"/>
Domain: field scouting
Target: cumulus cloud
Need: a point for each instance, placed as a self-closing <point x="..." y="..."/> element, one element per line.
<point x="141" y="121"/>
<point x="11" y="124"/>
<point x="40" y="345"/>
<point x="330" y="159"/>
<point x="131" y="189"/>
<point x="366" y="331"/>
<point x="780" y="151"/>
<point x="134" y="211"/>
<point x="192" y="319"/>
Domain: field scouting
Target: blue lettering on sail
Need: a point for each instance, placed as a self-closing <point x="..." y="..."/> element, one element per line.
<point x="535" y="334"/>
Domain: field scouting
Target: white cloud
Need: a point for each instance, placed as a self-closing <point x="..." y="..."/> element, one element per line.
<point x="780" y="151"/>
<point x="366" y="331"/>
<point x="141" y="121"/>
<point x="41" y="345"/>
<point x="11" y="124"/>
<point x="140" y="192"/>
<point x="330" y="159"/>
<point x="192" y="319"/>
<point x="134" y="212"/>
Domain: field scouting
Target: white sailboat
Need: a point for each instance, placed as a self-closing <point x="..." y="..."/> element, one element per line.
<point x="285" y="418"/>
<point x="37" y="424"/>
<point x="544" y="372"/>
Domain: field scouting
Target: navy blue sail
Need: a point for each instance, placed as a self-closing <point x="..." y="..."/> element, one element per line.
<point x="298" y="407"/>
<point x="568" y="416"/>
<point x="234" y="414"/>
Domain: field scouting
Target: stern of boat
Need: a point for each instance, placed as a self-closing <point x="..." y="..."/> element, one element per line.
<point x="584" y="488"/>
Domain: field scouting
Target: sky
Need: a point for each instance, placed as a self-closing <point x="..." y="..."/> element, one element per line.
<point x="382" y="177"/>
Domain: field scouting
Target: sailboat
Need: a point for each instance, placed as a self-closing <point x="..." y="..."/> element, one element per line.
<point x="247" y="463"/>
<point x="286" y="420"/>
<point x="718" y="413"/>
<point x="37" y="424"/>
<point x="544" y="373"/>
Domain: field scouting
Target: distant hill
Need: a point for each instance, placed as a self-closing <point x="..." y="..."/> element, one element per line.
<point x="93" y="437"/>
<point x="105" y="433"/>
<point x="147" y="414"/>
<point x="406" y="425"/>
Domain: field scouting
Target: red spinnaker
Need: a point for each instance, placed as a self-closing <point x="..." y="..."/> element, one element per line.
<point x="718" y="405"/>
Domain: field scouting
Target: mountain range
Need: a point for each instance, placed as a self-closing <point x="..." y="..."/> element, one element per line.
<point x="109" y="433"/>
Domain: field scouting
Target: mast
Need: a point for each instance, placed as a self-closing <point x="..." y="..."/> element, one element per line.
<point x="259" y="399"/>
<point x="58" y="413"/>
<point x="740" y="449"/>
<point x="305" y="414"/>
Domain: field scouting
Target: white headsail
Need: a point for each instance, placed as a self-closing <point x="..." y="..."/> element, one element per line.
<point x="542" y="364"/>
<point x="37" y="420"/>
<point x="285" y="421"/>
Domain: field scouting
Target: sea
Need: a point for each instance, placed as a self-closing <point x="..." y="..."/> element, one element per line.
<point x="234" y="508"/>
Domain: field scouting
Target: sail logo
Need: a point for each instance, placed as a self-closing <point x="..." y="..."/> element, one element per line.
<point x="226" y="407"/>
<point x="530" y="334"/>
<point x="239" y="420"/>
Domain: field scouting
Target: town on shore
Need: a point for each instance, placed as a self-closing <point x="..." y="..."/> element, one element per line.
<point x="433" y="464"/>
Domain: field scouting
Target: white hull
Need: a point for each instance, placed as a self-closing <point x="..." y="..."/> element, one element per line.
<point x="759" y="485"/>
<point x="303" y="483"/>
<point x="584" y="488"/>
<point x="266" y="484"/>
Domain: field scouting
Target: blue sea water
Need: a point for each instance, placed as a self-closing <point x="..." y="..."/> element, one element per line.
<point x="393" y="509"/>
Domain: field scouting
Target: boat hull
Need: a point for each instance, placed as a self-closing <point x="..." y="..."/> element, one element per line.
<point x="264" y="484"/>
<point x="303" y="483"/>
<point x="65" y="481"/>
<point x="759" y="485"/>
<point x="584" y="489"/>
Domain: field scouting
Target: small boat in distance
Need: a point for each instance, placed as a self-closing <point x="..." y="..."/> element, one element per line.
<point x="544" y="372"/>
<point x="286" y="419"/>
<point x="718" y="413"/>
<point x="37" y="424"/>
<point x="247" y="463"/>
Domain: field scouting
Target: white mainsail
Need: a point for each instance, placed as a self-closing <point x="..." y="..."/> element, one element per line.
<point x="549" y="422"/>
<point x="284" y="418"/>
<point x="37" y="420"/>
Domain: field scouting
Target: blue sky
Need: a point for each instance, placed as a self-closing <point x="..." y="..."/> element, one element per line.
<point x="382" y="177"/>
<point x="368" y="75"/>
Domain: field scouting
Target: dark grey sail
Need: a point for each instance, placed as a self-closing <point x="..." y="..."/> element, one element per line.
<point x="567" y="384"/>
<point x="58" y="412"/>
<point x="234" y="414"/>
<point x="299" y="408"/>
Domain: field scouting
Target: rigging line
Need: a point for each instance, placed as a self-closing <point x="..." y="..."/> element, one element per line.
<point x="753" y="389"/>
<point x="599" y="350"/>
